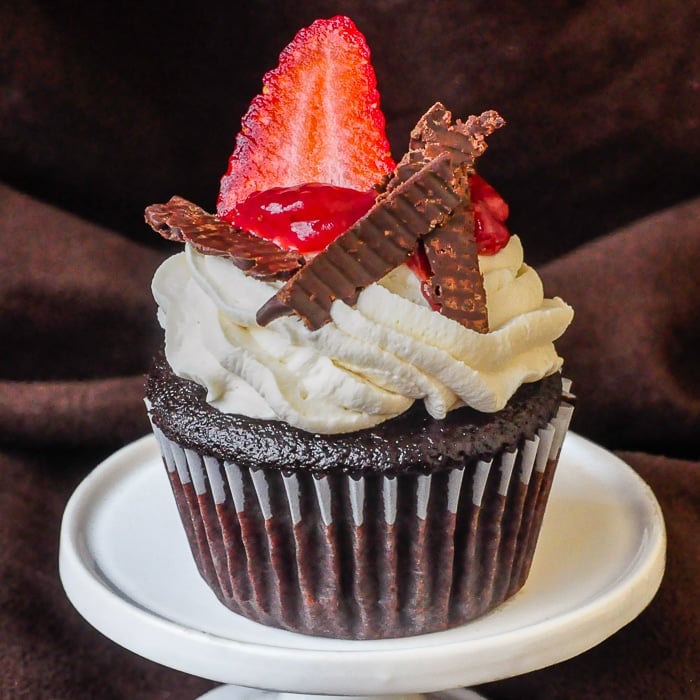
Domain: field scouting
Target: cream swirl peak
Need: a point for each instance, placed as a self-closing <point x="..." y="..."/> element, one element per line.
<point x="371" y="362"/>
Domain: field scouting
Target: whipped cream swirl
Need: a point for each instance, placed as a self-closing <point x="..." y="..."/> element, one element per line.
<point x="372" y="362"/>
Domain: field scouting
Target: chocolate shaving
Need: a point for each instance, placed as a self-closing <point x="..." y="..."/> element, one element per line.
<point x="456" y="286"/>
<point x="182" y="221"/>
<point x="435" y="134"/>
<point x="374" y="245"/>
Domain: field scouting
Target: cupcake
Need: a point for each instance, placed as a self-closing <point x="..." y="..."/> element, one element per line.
<point x="359" y="404"/>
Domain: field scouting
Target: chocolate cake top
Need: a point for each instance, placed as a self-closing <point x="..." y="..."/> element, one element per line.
<point x="412" y="442"/>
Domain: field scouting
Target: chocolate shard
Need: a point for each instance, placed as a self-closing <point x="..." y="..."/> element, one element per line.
<point x="435" y="134"/>
<point x="456" y="286"/>
<point x="183" y="221"/>
<point x="374" y="245"/>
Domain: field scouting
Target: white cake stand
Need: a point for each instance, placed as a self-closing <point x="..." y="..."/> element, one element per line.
<point x="126" y="567"/>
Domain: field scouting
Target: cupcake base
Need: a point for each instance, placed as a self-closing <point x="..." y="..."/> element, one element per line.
<point x="369" y="556"/>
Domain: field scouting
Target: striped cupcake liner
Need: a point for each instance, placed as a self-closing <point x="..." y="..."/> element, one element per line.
<point x="369" y="557"/>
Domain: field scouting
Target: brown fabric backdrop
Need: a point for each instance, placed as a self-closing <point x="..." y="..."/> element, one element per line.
<point x="106" y="108"/>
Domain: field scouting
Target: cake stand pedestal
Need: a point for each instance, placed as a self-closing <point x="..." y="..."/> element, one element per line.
<point x="126" y="567"/>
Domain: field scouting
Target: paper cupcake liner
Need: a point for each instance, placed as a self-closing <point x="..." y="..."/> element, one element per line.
<point x="369" y="557"/>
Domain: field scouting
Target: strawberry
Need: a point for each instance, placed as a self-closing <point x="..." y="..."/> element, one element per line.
<point x="317" y="119"/>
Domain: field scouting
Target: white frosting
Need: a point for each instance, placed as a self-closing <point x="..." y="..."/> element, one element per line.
<point x="372" y="362"/>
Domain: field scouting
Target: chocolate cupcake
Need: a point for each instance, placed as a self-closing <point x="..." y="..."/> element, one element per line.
<point x="413" y="526"/>
<point x="359" y="403"/>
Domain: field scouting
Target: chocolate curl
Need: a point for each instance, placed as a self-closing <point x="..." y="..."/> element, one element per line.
<point x="435" y="134"/>
<point x="456" y="286"/>
<point x="182" y="221"/>
<point x="374" y="245"/>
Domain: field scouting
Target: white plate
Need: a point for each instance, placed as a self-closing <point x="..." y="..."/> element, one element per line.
<point x="126" y="567"/>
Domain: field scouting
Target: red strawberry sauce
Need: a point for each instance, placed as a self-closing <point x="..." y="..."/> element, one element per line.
<point x="490" y="214"/>
<point x="305" y="218"/>
<point x="308" y="217"/>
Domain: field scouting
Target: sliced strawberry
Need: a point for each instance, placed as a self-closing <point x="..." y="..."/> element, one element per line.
<point x="317" y="119"/>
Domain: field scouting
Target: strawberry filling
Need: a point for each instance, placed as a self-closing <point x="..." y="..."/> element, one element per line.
<point x="305" y="218"/>
<point x="308" y="217"/>
<point x="490" y="214"/>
